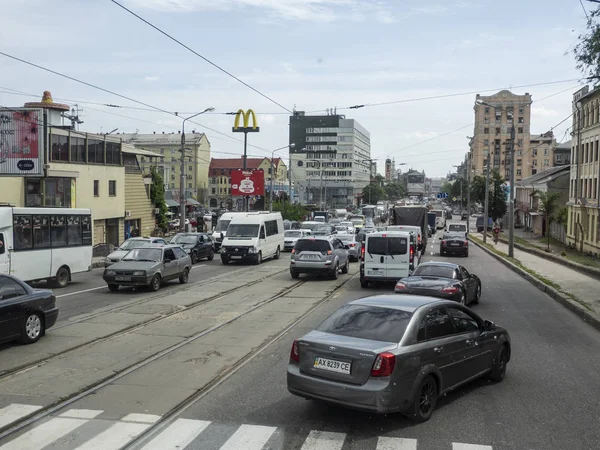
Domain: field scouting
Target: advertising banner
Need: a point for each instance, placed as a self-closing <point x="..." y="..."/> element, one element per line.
<point x="247" y="182"/>
<point x="21" y="142"/>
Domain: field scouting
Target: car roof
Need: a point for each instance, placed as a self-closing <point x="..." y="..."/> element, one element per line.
<point x="409" y="303"/>
<point x="315" y="238"/>
<point x="440" y="263"/>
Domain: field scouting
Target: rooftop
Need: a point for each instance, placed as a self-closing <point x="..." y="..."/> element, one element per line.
<point x="548" y="175"/>
<point x="160" y="138"/>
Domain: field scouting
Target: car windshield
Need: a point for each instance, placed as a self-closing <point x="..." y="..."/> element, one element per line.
<point x="457" y="227"/>
<point x="243" y="230"/>
<point x="144" y="254"/>
<point x="347" y="224"/>
<point x="293" y="234"/>
<point x="356" y="221"/>
<point x="312" y="245"/>
<point x="222" y="225"/>
<point x="309" y="225"/>
<point x="431" y="270"/>
<point x="134" y="243"/>
<point x="184" y="239"/>
<point x="367" y="322"/>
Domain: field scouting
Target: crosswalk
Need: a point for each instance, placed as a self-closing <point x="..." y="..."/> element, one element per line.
<point x="85" y="429"/>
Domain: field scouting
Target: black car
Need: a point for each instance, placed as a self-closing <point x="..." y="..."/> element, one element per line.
<point x="25" y="313"/>
<point x="454" y="244"/>
<point x="464" y="215"/>
<point x="197" y="245"/>
<point x="444" y="280"/>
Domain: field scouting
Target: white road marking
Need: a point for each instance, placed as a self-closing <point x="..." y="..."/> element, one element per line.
<point x="14" y="412"/>
<point x="115" y="437"/>
<point x="249" y="437"/>
<point x="390" y="443"/>
<point x="459" y="446"/>
<point x="80" y="414"/>
<point x="324" y="440"/>
<point x="201" y="265"/>
<point x="178" y="435"/>
<point x="45" y="434"/>
<point x="140" y="418"/>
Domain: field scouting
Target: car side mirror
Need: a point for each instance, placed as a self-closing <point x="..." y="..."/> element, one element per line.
<point x="488" y="325"/>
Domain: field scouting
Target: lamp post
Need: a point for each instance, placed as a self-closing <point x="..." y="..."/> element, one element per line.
<point x="182" y="196"/>
<point x="291" y="146"/>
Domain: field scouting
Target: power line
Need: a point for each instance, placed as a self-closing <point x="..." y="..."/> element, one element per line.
<point x="584" y="11"/>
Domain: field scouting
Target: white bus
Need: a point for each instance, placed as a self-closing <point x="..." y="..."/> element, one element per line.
<point x="45" y="243"/>
<point x="440" y="218"/>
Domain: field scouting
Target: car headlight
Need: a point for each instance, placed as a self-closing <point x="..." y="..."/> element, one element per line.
<point x="252" y="250"/>
<point x="110" y="273"/>
<point x="107" y="259"/>
<point x="139" y="273"/>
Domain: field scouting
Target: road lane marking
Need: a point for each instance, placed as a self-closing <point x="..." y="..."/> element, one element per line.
<point x="179" y="435"/>
<point x="390" y="443"/>
<point x="45" y="434"/>
<point x="459" y="446"/>
<point x="115" y="436"/>
<point x="324" y="440"/>
<point x="249" y="437"/>
<point x="140" y="418"/>
<point x="14" y="412"/>
<point x="80" y="414"/>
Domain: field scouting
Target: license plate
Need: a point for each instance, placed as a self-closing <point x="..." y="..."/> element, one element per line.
<point x="373" y="272"/>
<point x="122" y="278"/>
<point x="454" y="244"/>
<point x="310" y="257"/>
<point x="236" y="257"/>
<point x="332" y="365"/>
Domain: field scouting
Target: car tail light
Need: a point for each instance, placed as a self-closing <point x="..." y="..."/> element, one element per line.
<point x="466" y="243"/>
<point x="443" y="242"/>
<point x="294" y="353"/>
<point x="412" y="254"/>
<point x="384" y="365"/>
<point x="329" y="252"/>
<point x="353" y="245"/>
<point x="450" y="289"/>
<point x="293" y="251"/>
<point x="362" y="254"/>
<point x="400" y="285"/>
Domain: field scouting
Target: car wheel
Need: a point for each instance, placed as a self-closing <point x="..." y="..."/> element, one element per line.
<point x="224" y="261"/>
<point x="334" y="273"/>
<point x="211" y="256"/>
<point x="194" y="257"/>
<point x="425" y="400"/>
<point x="346" y="267"/>
<point x="62" y="277"/>
<point x="155" y="283"/>
<point x="477" y="294"/>
<point x="258" y="258"/>
<point x="32" y="329"/>
<point x="277" y="253"/>
<point x="364" y="283"/>
<point x="185" y="276"/>
<point x="499" y="366"/>
<point x="294" y="274"/>
<point x="113" y="287"/>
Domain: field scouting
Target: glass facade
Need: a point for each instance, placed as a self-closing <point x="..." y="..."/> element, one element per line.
<point x="50" y="192"/>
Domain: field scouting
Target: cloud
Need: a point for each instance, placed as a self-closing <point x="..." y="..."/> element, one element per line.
<point x="152" y="78"/>
<point x="543" y="112"/>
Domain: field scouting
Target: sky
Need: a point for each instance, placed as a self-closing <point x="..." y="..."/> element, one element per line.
<point x="308" y="55"/>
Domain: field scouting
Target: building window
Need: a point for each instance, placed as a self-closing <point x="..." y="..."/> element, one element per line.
<point x="214" y="191"/>
<point x="497" y="130"/>
<point x="95" y="152"/>
<point x="521" y="120"/>
<point x="520" y="130"/>
<point x="57" y="192"/>
<point x="60" y="147"/>
<point x="34" y="193"/>
<point x="519" y="172"/>
<point x="487" y="110"/>
<point x="77" y="149"/>
<point x="113" y="153"/>
<point x="546" y="162"/>
<point x="112" y="188"/>
<point x="485" y="131"/>
<point x="486" y="120"/>
<point x="96" y="188"/>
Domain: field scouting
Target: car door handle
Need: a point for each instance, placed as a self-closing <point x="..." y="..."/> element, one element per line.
<point x="438" y="349"/>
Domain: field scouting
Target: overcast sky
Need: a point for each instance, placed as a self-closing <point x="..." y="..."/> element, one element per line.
<point x="304" y="54"/>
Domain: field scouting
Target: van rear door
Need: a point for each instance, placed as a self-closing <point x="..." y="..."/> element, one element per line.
<point x="376" y="250"/>
<point x="398" y="259"/>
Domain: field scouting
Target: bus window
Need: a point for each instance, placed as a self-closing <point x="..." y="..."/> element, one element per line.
<point x="2" y="246"/>
<point x="22" y="232"/>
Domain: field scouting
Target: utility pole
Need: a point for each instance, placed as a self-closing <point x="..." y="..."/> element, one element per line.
<point x="487" y="200"/>
<point x="290" y="147"/>
<point x="511" y="206"/>
<point x="468" y="193"/>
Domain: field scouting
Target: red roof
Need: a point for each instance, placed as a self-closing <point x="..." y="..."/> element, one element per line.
<point x="234" y="163"/>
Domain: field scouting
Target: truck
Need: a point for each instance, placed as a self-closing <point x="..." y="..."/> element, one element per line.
<point x="321" y="216"/>
<point x="412" y="215"/>
<point x="431" y="217"/>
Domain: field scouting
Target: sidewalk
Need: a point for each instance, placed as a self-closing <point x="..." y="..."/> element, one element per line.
<point x="578" y="291"/>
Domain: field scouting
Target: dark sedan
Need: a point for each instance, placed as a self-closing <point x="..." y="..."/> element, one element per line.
<point x="444" y="280"/>
<point x="197" y="245"/>
<point x="454" y="244"/>
<point x="25" y="313"/>
<point x="391" y="353"/>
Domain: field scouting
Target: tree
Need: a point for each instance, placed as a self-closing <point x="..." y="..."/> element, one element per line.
<point x="289" y="211"/>
<point x="456" y="189"/>
<point x="547" y="204"/>
<point x="394" y="191"/>
<point x="446" y="187"/>
<point x="157" y="196"/>
<point x="478" y="190"/>
<point x="587" y="51"/>
<point x="497" y="201"/>
<point x="372" y="193"/>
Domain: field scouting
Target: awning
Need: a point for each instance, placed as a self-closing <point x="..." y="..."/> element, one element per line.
<point x="171" y="203"/>
<point x="138" y="151"/>
<point x="536" y="214"/>
<point x="191" y="201"/>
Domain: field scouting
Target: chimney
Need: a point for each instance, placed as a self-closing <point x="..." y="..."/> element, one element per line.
<point x="163" y="132"/>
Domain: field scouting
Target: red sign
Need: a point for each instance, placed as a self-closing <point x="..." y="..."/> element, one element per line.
<point x="21" y="132"/>
<point x="247" y="182"/>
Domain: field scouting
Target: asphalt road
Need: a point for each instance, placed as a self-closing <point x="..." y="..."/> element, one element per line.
<point x="549" y="399"/>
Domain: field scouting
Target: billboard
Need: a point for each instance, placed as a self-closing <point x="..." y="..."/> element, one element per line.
<point x="247" y="182"/>
<point x="416" y="179"/>
<point x="21" y="142"/>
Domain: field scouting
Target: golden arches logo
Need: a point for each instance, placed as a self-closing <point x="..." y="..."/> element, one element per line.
<point x="246" y="128"/>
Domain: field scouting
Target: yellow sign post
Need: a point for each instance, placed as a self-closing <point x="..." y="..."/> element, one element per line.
<point x="245" y="129"/>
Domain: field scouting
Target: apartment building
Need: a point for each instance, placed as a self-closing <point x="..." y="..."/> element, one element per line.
<point x="330" y="163"/>
<point x="583" y="228"/>
<point x="562" y="153"/>
<point x="541" y="154"/>
<point x="495" y="115"/>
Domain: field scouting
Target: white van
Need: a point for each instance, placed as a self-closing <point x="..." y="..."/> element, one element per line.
<point x="440" y="218"/>
<point x="386" y="257"/>
<point x="253" y="236"/>
<point x="220" y="230"/>
<point x="457" y="227"/>
<point x="410" y="228"/>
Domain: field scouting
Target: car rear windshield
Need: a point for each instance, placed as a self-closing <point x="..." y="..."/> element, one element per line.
<point x="457" y="227"/>
<point x="312" y="245"/>
<point x="293" y="234"/>
<point x="435" y="271"/>
<point x="387" y="246"/>
<point x="367" y="322"/>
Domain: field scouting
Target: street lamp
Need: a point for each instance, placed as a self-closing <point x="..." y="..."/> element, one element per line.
<point x="182" y="197"/>
<point x="291" y="146"/>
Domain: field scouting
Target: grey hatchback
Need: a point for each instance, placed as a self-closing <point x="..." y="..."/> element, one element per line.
<point x="149" y="266"/>
<point x="320" y="255"/>
<point x="390" y="353"/>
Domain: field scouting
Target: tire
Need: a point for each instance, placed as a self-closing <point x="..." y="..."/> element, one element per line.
<point x="32" y="328"/>
<point x="346" y="267"/>
<point x="113" y="287"/>
<point x="466" y="254"/>
<point x="258" y="259"/>
<point x="295" y="275"/>
<point x="364" y="284"/>
<point x="62" y="277"/>
<point x="499" y="366"/>
<point x="194" y="257"/>
<point x="155" y="283"/>
<point x="224" y="261"/>
<point x="277" y="254"/>
<point x="185" y="276"/>
<point x="425" y="400"/>
<point x="211" y="256"/>
<point x="334" y="273"/>
<point x="477" y="295"/>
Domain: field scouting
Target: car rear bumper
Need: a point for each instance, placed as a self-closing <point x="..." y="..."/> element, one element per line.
<point x="311" y="267"/>
<point x="376" y="395"/>
<point x="455" y="250"/>
<point x="50" y="317"/>
<point x="134" y="281"/>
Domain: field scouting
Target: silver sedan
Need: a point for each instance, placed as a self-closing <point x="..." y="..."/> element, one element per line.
<point x="390" y="353"/>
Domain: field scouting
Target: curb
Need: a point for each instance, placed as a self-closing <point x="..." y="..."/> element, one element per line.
<point x="550" y="291"/>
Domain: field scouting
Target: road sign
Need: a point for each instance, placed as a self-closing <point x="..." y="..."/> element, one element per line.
<point x="442" y="195"/>
<point x="454" y="199"/>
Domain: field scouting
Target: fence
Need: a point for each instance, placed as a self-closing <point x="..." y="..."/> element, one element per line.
<point x="558" y="232"/>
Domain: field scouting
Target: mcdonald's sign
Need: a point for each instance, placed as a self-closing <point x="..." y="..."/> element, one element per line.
<point x="246" y="128"/>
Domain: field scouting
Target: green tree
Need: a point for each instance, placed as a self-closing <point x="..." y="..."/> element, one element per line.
<point x="456" y="189"/>
<point x="446" y="187"/>
<point x="372" y="193"/>
<point x="547" y="203"/>
<point x="289" y="211"/>
<point x="497" y="200"/>
<point x="587" y="51"/>
<point x="478" y="190"/>
<point x="157" y="196"/>
<point x="394" y="191"/>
